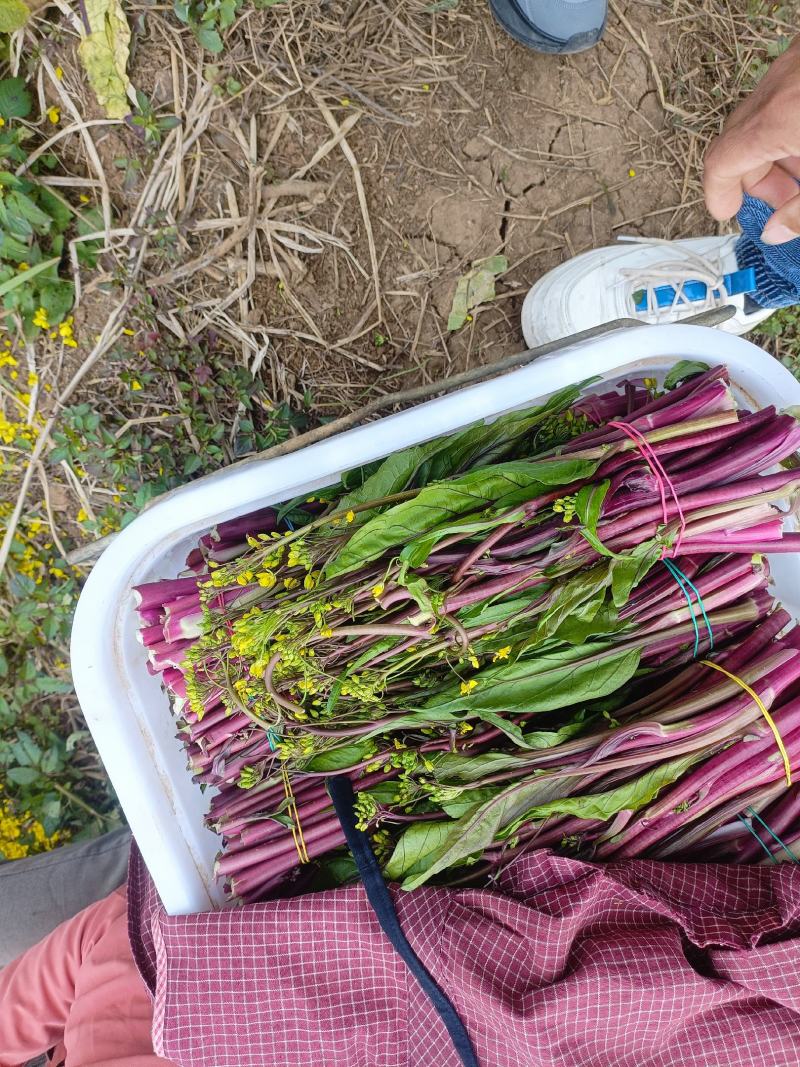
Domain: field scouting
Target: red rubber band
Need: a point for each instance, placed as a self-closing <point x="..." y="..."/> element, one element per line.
<point x="663" y="479"/>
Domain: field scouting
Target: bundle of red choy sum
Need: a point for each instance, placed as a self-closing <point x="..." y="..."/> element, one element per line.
<point x="553" y="630"/>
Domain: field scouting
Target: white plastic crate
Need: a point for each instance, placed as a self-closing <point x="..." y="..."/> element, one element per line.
<point x="126" y="709"/>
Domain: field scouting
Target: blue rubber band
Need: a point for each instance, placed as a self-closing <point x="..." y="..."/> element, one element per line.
<point x="745" y="823"/>
<point x="680" y="579"/>
<point x="754" y="814"/>
<point x="684" y="582"/>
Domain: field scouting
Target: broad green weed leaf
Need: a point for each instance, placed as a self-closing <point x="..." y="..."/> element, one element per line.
<point x="15" y="100"/>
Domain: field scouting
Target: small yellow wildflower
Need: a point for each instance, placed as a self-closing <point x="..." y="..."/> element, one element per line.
<point x="84" y="199"/>
<point x="425" y="87"/>
<point x="290" y="583"/>
<point x="245" y="578"/>
<point x="128" y="332"/>
<point x="136" y="385"/>
<point x="377" y="590"/>
<point x="59" y="73"/>
<point x="82" y="516"/>
<point x="23" y="267"/>
<point x="474" y="661"/>
<point x="65" y="333"/>
<point x="345" y="101"/>
<point x="501" y="653"/>
<point x="57" y="572"/>
<point x="54" y="114"/>
<point x="266" y="579"/>
<point x="40" y="319"/>
<point x="631" y="173"/>
<point x="350" y="516"/>
<point x="467" y="687"/>
<point x="326" y="631"/>
<point x="309" y="581"/>
<point x="33" y="378"/>
<point x="2" y="121"/>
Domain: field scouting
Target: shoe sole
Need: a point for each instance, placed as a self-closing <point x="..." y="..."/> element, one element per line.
<point x="516" y="27"/>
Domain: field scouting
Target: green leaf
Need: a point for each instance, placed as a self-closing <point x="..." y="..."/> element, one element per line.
<point x="454" y="768"/>
<point x="566" y="676"/>
<point x="13" y="16"/>
<point x="416" y="552"/>
<point x="474" y="288"/>
<point x="476" y="446"/>
<point x="394" y="475"/>
<point x="104" y="53"/>
<point x="588" y="507"/>
<point x="209" y="39"/>
<point x="578" y="598"/>
<point x="23" y="775"/>
<point x="492" y="614"/>
<point x="682" y="371"/>
<point x="474" y="832"/>
<point x="628" y="797"/>
<point x="504" y="484"/>
<point x="58" y="211"/>
<point x="420" y="841"/>
<point x="57" y="298"/>
<point x="336" y="759"/>
<point x="484" y="443"/>
<point x="15" y="100"/>
<point x="604" y="623"/>
<point x="20" y="203"/>
<point x="468" y="800"/>
<point x="14" y="250"/>
<point x="627" y="571"/>
<point x="418" y="719"/>
<point x="26" y="276"/>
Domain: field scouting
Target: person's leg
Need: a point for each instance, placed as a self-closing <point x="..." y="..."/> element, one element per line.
<point x="40" y="892"/>
<point x="777" y="267"/>
<point x="552" y="25"/>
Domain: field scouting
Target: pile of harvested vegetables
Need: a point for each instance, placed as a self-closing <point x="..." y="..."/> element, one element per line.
<point x="553" y="630"/>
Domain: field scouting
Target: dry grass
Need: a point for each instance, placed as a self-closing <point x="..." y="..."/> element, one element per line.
<point x="317" y="217"/>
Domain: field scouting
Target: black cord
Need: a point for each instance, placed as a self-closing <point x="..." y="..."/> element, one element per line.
<point x="343" y="797"/>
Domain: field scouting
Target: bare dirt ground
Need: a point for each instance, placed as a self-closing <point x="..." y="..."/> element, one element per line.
<point x="320" y="215"/>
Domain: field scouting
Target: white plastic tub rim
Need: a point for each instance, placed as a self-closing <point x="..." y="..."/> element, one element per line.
<point x="126" y="708"/>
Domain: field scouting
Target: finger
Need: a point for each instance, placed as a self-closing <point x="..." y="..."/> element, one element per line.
<point x="737" y="161"/>
<point x="784" y="225"/>
<point x="791" y="164"/>
<point x="776" y="188"/>
<point x="725" y="176"/>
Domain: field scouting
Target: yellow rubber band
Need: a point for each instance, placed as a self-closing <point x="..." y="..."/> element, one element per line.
<point x="297" y="829"/>
<point x="760" y="704"/>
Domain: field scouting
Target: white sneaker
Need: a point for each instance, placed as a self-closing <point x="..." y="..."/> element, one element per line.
<point x="650" y="280"/>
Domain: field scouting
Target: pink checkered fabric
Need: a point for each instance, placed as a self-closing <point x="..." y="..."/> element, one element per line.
<point x="635" y="964"/>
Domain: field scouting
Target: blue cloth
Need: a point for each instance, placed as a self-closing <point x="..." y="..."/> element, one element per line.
<point x="777" y="267"/>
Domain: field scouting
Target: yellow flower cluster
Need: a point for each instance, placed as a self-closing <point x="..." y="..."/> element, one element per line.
<point x="14" y="426"/>
<point x="565" y="506"/>
<point x="66" y="334"/>
<point x="21" y="835"/>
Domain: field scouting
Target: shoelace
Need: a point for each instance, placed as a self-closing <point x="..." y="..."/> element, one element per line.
<point x="692" y="267"/>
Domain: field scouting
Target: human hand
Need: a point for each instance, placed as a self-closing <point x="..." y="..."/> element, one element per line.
<point x="758" y="152"/>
